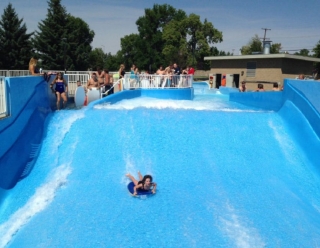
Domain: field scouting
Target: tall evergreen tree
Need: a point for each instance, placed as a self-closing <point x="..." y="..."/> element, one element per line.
<point x="63" y="41"/>
<point x="78" y="44"/>
<point x="51" y="39"/>
<point x="15" y="43"/>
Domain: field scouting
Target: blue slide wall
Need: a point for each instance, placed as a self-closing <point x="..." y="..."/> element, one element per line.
<point x="304" y="95"/>
<point x="175" y="94"/>
<point x="21" y="132"/>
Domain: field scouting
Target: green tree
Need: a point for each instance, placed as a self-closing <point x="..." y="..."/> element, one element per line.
<point x="202" y="35"/>
<point x="316" y="51"/>
<point x="15" y="43"/>
<point x="63" y="41"/>
<point x="275" y="48"/>
<point x="113" y="62"/>
<point x="97" y="58"/>
<point x="132" y="51"/>
<point x="150" y="27"/>
<point x="175" y="47"/>
<point x="253" y="46"/>
<point x="302" y="52"/>
<point x="78" y="44"/>
<point x="168" y="35"/>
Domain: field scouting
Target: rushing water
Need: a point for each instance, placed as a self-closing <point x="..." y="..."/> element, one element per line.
<point x="228" y="176"/>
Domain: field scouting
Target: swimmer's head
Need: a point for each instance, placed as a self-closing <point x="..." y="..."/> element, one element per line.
<point x="147" y="179"/>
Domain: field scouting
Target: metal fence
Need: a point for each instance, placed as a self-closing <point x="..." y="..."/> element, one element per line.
<point x="3" y="98"/>
<point x="132" y="81"/>
<point x="72" y="82"/>
<point x="14" y="73"/>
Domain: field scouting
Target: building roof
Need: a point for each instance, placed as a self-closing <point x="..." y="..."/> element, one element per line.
<point x="264" y="56"/>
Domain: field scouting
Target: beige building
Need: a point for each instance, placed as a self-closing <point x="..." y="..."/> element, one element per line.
<point x="260" y="68"/>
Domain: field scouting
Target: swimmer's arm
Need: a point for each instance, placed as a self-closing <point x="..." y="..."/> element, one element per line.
<point x="135" y="188"/>
<point x="154" y="188"/>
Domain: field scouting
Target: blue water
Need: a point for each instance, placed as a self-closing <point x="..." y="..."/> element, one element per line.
<point x="227" y="175"/>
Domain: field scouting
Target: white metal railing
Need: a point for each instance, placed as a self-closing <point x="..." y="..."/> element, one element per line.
<point x="14" y="73"/>
<point x="132" y="81"/>
<point x="3" y="98"/>
<point x="103" y="92"/>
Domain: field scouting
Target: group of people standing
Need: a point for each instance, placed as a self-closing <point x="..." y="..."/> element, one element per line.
<point x="173" y="69"/>
<point x="170" y="71"/>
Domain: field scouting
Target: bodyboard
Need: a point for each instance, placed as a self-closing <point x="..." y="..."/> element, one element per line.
<point x="93" y="95"/>
<point x="79" y="97"/>
<point x="139" y="193"/>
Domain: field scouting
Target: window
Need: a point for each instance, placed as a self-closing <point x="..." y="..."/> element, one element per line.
<point x="251" y="69"/>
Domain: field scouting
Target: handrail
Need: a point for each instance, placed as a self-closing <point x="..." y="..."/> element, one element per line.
<point x="106" y="92"/>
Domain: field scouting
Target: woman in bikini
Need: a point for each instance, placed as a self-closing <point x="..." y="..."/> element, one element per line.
<point x="60" y="89"/>
<point x="145" y="183"/>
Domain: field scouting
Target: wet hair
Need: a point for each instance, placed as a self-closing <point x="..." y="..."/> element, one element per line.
<point x="260" y="86"/>
<point x="33" y="61"/>
<point x="146" y="177"/>
<point x="275" y="85"/>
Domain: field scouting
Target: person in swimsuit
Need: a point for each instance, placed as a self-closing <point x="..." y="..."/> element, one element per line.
<point x="108" y="82"/>
<point x="33" y="67"/>
<point x="243" y="87"/>
<point x="60" y="89"/>
<point x="121" y="71"/>
<point x="100" y="75"/>
<point x="93" y="82"/>
<point x="145" y="183"/>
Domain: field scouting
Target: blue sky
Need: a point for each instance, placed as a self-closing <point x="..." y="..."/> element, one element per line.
<point x="293" y="23"/>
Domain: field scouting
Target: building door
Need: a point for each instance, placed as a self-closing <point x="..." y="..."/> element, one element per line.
<point x="236" y="79"/>
<point x="218" y="80"/>
<point x="230" y="80"/>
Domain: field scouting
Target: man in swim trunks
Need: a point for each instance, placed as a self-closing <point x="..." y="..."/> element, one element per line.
<point x="93" y="82"/>
<point x="100" y="75"/>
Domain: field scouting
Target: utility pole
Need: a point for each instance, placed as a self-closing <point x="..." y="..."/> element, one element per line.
<point x="265" y="34"/>
<point x="266" y="44"/>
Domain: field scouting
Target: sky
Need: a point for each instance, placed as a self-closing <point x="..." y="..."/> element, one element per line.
<point x="293" y="23"/>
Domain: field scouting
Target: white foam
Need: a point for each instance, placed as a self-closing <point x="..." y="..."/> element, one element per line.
<point x="43" y="196"/>
<point x="285" y="143"/>
<point x="129" y="168"/>
<point x="61" y="125"/>
<point x="238" y="231"/>
<point x="152" y="103"/>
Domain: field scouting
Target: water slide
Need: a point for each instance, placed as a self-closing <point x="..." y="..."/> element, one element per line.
<point x="227" y="175"/>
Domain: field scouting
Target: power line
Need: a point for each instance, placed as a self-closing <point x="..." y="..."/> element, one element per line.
<point x="305" y="36"/>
